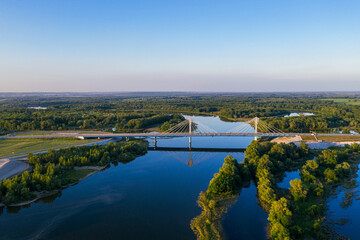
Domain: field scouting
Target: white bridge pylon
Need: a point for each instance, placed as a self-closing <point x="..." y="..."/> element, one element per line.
<point x="189" y="126"/>
<point x="255" y="125"/>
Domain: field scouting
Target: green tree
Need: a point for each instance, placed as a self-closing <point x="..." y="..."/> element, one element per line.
<point x="298" y="189"/>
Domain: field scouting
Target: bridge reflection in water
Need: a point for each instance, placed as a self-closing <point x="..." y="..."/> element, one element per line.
<point x="193" y="156"/>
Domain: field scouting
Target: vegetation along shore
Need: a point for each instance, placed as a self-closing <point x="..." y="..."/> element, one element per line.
<point x="294" y="213"/>
<point x="55" y="170"/>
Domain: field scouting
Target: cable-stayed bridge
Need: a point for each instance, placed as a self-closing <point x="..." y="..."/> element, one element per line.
<point x="190" y="128"/>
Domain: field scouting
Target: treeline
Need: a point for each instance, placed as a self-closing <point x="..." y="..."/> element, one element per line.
<point x="307" y="196"/>
<point x="105" y="112"/>
<point x="298" y="213"/>
<point x="23" y="119"/>
<point x="294" y="213"/>
<point x="176" y="119"/>
<point x="49" y="170"/>
<point x="321" y="124"/>
<point x="265" y="163"/>
<point x="268" y="161"/>
<point x="141" y="123"/>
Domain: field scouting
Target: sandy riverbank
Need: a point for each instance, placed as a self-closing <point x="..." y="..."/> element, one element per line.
<point x="9" y="168"/>
<point x="312" y="144"/>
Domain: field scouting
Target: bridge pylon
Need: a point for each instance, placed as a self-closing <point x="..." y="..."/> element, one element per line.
<point x="256" y="121"/>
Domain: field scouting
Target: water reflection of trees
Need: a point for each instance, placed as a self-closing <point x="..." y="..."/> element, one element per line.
<point x="49" y="199"/>
<point x="223" y="191"/>
<point x="208" y="224"/>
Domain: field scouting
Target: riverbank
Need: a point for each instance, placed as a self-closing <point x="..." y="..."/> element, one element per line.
<point x="56" y="170"/>
<point x="10" y="168"/>
<point x="43" y="194"/>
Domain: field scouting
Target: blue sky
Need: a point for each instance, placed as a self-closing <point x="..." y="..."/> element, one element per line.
<point x="77" y="45"/>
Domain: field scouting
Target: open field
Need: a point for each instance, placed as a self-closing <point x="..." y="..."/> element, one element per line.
<point x="345" y="101"/>
<point x="34" y="134"/>
<point x="17" y="146"/>
<point x="43" y="133"/>
<point x="333" y="138"/>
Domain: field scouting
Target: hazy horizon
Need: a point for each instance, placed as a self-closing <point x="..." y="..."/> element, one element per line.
<point x="202" y="46"/>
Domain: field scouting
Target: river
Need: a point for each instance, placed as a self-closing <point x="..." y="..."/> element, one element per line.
<point x="152" y="197"/>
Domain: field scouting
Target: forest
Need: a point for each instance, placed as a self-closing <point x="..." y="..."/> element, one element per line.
<point x="138" y="112"/>
<point x="294" y="213"/>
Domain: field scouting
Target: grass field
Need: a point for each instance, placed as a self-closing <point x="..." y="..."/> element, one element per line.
<point x="17" y="146"/>
<point x="345" y="101"/>
<point x="34" y="134"/>
<point x="333" y="138"/>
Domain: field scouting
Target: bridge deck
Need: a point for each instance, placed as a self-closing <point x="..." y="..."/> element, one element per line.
<point x="110" y="135"/>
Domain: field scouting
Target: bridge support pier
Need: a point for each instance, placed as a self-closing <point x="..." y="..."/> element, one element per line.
<point x="155" y="142"/>
<point x="190" y="143"/>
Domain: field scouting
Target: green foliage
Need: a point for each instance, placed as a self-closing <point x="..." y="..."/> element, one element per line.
<point x="253" y="151"/>
<point x="53" y="169"/>
<point x="330" y="175"/>
<point x="230" y="166"/>
<point x="207" y="225"/>
<point x="97" y="155"/>
<point x="355" y="147"/>
<point x="279" y="232"/>
<point x="267" y="160"/>
<point x="228" y="180"/>
<point x="280" y="219"/>
<point x="305" y="148"/>
<point x="280" y="212"/>
<point x="176" y="119"/>
<point x="313" y="210"/>
<point x="293" y="214"/>
<point x="105" y="112"/>
<point x="223" y="183"/>
<point x="298" y="189"/>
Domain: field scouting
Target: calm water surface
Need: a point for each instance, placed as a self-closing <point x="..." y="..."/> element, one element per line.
<point x="337" y="212"/>
<point x="152" y="197"/>
<point x="285" y="183"/>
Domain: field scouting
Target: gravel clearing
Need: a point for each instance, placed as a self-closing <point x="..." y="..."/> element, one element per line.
<point x="9" y="168"/>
